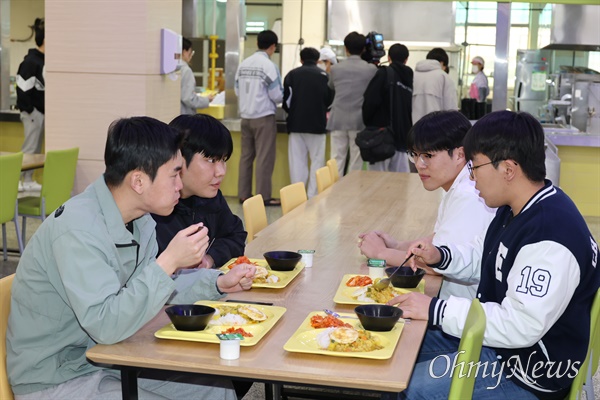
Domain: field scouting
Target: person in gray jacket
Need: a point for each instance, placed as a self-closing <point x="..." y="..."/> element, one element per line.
<point x="90" y="275"/>
<point x="349" y="79"/>
<point x="190" y="100"/>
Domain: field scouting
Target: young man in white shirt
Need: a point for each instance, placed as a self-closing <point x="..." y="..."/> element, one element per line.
<point x="437" y="152"/>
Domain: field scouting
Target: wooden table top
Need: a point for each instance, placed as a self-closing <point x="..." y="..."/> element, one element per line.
<point x="30" y="161"/>
<point x="329" y="224"/>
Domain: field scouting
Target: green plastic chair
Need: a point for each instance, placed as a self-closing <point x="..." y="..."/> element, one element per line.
<point x="57" y="184"/>
<point x="10" y="173"/>
<point x="461" y="387"/>
<point x="583" y="380"/>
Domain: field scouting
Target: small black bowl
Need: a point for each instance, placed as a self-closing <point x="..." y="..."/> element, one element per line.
<point x="378" y="317"/>
<point x="190" y="317"/>
<point x="282" y="260"/>
<point x="405" y="277"/>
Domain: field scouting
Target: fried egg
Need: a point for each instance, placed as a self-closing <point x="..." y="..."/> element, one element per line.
<point x="252" y="313"/>
<point x="344" y="335"/>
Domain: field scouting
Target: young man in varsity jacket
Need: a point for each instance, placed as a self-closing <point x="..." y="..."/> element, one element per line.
<point x="539" y="275"/>
<point x="30" y="100"/>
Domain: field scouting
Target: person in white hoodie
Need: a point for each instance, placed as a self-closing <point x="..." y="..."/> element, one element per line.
<point x="433" y="90"/>
<point x="190" y="100"/>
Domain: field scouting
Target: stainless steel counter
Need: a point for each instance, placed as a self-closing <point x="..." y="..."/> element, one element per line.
<point x="574" y="139"/>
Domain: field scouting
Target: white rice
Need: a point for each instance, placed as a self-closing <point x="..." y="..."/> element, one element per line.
<point x="229" y="319"/>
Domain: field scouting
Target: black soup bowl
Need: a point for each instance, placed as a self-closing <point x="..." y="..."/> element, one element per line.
<point x="378" y="317"/>
<point x="282" y="260"/>
<point x="190" y="317"/>
<point x="405" y="277"/>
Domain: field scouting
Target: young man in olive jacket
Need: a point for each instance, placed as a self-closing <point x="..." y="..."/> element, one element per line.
<point x="306" y="98"/>
<point x="376" y="106"/>
<point x="207" y="145"/>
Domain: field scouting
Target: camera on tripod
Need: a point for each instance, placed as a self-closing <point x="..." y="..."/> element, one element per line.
<point x="374" y="48"/>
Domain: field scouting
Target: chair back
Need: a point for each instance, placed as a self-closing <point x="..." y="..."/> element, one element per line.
<point x="59" y="177"/>
<point x="469" y="350"/>
<point x="5" y="285"/>
<point x="323" y="179"/>
<point x="255" y="215"/>
<point x="292" y="196"/>
<point x="333" y="170"/>
<point x="583" y="379"/>
<point x="10" y="173"/>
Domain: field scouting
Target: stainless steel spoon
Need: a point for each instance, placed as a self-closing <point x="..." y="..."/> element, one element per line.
<point x="385" y="282"/>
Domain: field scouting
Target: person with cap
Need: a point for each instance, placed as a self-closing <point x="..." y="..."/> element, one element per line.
<point x="479" y="87"/>
<point x="327" y="58"/>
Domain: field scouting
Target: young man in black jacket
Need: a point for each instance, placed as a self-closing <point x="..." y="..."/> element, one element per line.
<point x="306" y="98"/>
<point x="376" y="106"/>
<point x="30" y="100"/>
<point x="205" y="149"/>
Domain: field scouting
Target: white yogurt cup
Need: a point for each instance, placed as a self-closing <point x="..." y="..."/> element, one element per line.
<point x="230" y="349"/>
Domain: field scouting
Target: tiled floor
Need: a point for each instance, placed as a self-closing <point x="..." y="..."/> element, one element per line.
<point x="273" y="213"/>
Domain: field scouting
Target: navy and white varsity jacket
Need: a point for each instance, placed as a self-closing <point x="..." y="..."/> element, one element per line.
<point x="539" y="275"/>
<point x="30" y="82"/>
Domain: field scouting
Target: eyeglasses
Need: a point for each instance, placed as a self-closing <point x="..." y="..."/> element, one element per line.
<point x="472" y="167"/>
<point x="425" y="158"/>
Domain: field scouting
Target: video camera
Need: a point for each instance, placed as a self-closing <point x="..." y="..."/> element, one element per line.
<point x="374" y="48"/>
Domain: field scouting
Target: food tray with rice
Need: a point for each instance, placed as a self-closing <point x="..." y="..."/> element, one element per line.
<point x="346" y="294"/>
<point x="265" y="276"/>
<point x="344" y="338"/>
<point x="250" y="320"/>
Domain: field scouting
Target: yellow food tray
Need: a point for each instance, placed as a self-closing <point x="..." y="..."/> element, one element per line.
<point x="343" y="295"/>
<point x="304" y="340"/>
<point x="208" y="335"/>
<point x="285" y="277"/>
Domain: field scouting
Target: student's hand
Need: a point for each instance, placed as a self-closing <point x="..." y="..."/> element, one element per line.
<point x="237" y="279"/>
<point x="207" y="262"/>
<point x="414" y="305"/>
<point x="211" y="97"/>
<point x="424" y="252"/>
<point x="389" y="240"/>
<point x="372" y="245"/>
<point x="186" y="249"/>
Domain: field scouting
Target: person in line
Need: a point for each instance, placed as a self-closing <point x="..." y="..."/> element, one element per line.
<point x="306" y="97"/>
<point x="376" y="106"/>
<point x="90" y="275"/>
<point x="206" y="147"/>
<point x="433" y="90"/>
<point x="327" y="58"/>
<point x="31" y="88"/>
<point x="190" y="100"/>
<point x="259" y="90"/>
<point x="348" y="79"/>
<point x="539" y="275"/>
<point x="436" y="143"/>
<point x="479" y="89"/>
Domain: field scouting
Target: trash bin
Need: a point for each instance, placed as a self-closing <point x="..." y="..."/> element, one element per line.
<point x="552" y="163"/>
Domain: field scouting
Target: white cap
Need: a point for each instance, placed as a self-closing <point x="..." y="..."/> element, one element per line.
<point x="327" y="55"/>
<point x="477" y="60"/>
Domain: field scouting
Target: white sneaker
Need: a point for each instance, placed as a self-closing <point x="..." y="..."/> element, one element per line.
<point x="32" y="186"/>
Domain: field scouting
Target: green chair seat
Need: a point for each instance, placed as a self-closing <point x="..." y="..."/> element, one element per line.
<point x="10" y="173"/>
<point x="30" y="205"/>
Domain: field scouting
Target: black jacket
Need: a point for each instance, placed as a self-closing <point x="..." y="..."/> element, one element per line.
<point x="376" y="104"/>
<point x="310" y="99"/>
<point x="223" y="225"/>
<point x="30" y="82"/>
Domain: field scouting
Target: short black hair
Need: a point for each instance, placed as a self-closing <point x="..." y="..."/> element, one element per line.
<point x="186" y="44"/>
<point x="508" y="135"/>
<point x="309" y="54"/>
<point x="138" y="143"/>
<point x="438" y="54"/>
<point x="437" y="131"/>
<point x="39" y="27"/>
<point x="205" y="135"/>
<point x="355" y="43"/>
<point x="398" y="53"/>
<point x="266" y="39"/>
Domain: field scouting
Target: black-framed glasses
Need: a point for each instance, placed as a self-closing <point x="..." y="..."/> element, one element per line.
<point x="472" y="167"/>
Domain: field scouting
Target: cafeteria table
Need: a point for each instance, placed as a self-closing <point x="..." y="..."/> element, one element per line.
<point x="30" y="161"/>
<point x="329" y="224"/>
